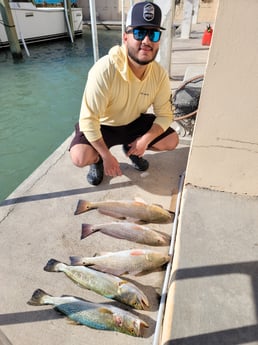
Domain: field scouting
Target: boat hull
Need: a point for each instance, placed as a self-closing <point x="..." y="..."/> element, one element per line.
<point x="35" y="24"/>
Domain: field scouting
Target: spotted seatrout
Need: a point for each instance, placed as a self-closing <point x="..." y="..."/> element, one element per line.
<point x="128" y="231"/>
<point x="93" y="315"/>
<point x="144" y="212"/>
<point x="104" y="284"/>
<point x="132" y="261"/>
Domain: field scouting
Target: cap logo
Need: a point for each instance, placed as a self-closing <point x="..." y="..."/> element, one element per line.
<point x="148" y="12"/>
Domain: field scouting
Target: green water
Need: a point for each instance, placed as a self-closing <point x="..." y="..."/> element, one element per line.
<point x="40" y="100"/>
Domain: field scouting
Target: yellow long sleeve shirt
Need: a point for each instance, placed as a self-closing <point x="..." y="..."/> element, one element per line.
<point x="114" y="96"/>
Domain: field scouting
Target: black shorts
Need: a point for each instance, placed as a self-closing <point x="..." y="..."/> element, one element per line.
<point x="119" y="135"/>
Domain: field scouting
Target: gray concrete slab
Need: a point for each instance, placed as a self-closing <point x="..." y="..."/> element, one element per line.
<point x="213" y="293"/>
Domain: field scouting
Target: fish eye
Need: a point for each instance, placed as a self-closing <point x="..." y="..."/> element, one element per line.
<point x="131" y="331"/>
<point x="135" y="304"/>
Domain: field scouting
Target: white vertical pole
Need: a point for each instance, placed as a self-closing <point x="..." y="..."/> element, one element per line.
<point x="94" y="32"/>
<point x="195" y="11"/>
<point x="165" y="51"/>
<point x="123" y="19"/>
<point x="187" y="19"/>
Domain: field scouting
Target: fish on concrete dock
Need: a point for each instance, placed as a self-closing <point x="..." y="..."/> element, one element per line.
<point x="94" y="315"/>
<point x="149" y="213"/>
<point x="128" y="231"/>
<point x="104" y="284"/>
<point x="132" y="261"/>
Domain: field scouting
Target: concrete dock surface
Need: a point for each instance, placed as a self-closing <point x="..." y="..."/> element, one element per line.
<point x="212" y="297"/>
<point x="39" y="224"/>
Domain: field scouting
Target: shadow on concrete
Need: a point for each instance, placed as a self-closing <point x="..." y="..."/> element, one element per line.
<point x="234" y="336"/>
<point x="28" y="316"/>
<point x="51" y="314"/>
<point x="164" y="166"/>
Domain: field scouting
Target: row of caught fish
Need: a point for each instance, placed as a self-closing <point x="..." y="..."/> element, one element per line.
<point x="106" y="284"/>
<point x="103" y="274"/>
<point x="129" y="231"/>
<point x="102" y="316"/>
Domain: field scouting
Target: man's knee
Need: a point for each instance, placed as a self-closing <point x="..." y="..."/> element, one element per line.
<point x="77" y="161"/>
<point x="174" y="141"/>
<point x="168" y="143"/>
<point x="77" y="157"/>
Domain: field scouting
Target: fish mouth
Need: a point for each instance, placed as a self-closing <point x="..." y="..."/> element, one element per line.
<point x="144" y="303"/>
<point x="139" y="326"/>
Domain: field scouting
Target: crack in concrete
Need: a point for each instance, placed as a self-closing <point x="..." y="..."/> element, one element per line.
<point x="227" y="147"/>
<point x="238" y="141"/>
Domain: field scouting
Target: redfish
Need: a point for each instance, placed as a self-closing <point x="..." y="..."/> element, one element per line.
<point x="128" y="231"/>
<point x="132" y="261"/>
<point x="139" y="210"/>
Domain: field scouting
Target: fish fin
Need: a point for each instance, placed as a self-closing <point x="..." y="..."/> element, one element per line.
<point x="105" y="310"/>
<point x="138" y="273"/>
<point x="169" y="211"/>
<point x="111" y="214"/>
<point x="87" y="230"/>
<point x="102" y="253"/>
<point x="82" y="206"/>
<point x="136" y="252"/>
<point x="72" y="322"/>
<point x="51" y="266"/>
<point x="140" y="222"/>
<point x="138" y="199"/>
<point x="76" y="260"/>
<point x="158" y="205"/>
<point x="104" y="269"/>
<point x="122" y="282"/>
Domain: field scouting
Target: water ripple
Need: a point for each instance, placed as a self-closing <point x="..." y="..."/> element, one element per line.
<point x="40" y="101"/>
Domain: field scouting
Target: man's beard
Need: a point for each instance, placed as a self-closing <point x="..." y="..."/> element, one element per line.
<point x="140" y="62"/>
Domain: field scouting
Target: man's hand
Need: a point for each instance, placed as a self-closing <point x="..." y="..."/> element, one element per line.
<point x="111" y="166"/>
<point x="138" y="147"/>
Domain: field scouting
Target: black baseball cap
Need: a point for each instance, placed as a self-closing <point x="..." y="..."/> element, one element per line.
<point x="144" y="14"/>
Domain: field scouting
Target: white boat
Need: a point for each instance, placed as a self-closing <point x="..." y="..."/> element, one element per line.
<point x="35" y="23"/>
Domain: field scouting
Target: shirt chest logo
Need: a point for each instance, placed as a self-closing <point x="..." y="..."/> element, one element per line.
<point x="144" y="93"/>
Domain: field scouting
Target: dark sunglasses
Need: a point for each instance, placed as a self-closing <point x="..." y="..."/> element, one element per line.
<point x="139" y="34"/>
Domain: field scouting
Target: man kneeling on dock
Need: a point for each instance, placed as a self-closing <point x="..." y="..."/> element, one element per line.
<point x="121" y="86"/>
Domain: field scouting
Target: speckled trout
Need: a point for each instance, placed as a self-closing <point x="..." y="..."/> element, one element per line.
<point x="104" y="284"/>
<point x="139" y="210"/>
<point x="93" y="315"/>
<point x="132" y="261"/>
<point x="128" y="231"/>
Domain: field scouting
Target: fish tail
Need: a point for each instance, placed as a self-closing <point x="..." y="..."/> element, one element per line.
<point x="77" y="260"/>
<point x="82" y="206"/>
<point x="52" y="265"/>
<point x="87" y="230"/>
<point x="39" y="297"/>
